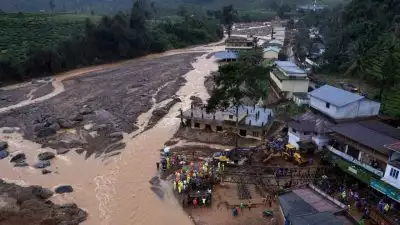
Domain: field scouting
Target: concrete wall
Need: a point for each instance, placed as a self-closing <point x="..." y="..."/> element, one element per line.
<point x="297" y="136"/>
<point x="270" y="55"/>
<point x="276" y="81"/>
<point x="300" y="101"/>
<point x="290" y="86"/>
<point x="387" y="178"/>
<point x="369" y="108"/>
<point x="295" y="86"/>
<point x="321" y="106"/>
<point x="359" y="108"/>
<point x="249" y="133"/>
<point x="320" y="140"/>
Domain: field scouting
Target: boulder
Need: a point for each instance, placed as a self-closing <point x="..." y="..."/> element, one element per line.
<point x="3" y="145"/>
<point x="158" y="191"/>
<point x="8" y="131"/>
<point x="64" y="189"/>
<point x="101" y="127"/>
<point x="40" y="192"/>
<point x="45" y="132"/>
<point x="117" y="135"/>
<point x="55" y="126"/>
<point x="77" y="117"/>
<point x="177" y="99"/>
<point x="21" y="164"/>
<point x="66" y="123"/>
<point x="4" y="154"/>
<point x="39" y="126"/>
<point x="86" y="110"/>
<point x="46" y="171"/>
<point x="18" y="157"/>
<point x="79" y="151"/>
<point x="61" y="151"/>
<point x="46" y="155"/>
<point x="42" y="164"/>
<point x="155" y="181"/>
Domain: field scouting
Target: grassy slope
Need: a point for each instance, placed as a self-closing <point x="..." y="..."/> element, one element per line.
<point x="20" y="32"/>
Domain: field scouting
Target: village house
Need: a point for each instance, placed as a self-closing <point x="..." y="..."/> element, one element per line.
<point x="252" y="121"/>
<point x="235" y="44"/>
<point x="309" y="128"/>
<point x="365" y="150"/>
<point x="311" y="206"/>
<point x="329" y="106"/>
<point x="271" y="52"/>
<point x="340" y="104"/>
<point x="288" y="79"/>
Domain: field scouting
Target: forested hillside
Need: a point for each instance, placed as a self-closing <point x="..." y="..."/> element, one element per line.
<point x="109" y="6"/>
<point x="122" y="36"/>
<point x="363" y="41"/>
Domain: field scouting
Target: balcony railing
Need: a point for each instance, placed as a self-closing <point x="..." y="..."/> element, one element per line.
<point x="356" y="161"/>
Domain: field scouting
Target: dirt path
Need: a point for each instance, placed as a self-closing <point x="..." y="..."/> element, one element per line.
<point x="116" y="190"/>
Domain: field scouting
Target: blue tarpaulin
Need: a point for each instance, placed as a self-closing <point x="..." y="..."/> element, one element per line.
<point x="225" y="55"/>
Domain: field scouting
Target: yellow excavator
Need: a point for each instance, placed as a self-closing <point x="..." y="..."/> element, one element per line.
<point x="291" y="154"/>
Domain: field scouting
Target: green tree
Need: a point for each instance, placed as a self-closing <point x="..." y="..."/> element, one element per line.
<point x="283" y="9"/>
<point x="154" y="10"/>
<point x="138" y="16"/>
<point x="245" y="79"/>
<point x="229" y="14"/>
<point x="52" y="5"/>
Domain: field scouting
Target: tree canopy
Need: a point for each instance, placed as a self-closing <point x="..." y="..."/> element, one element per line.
<point x="244" y="79"/>
<point x="121" y="36"/>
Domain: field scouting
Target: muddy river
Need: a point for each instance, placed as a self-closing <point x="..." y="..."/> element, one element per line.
<point x="116" y="190"/>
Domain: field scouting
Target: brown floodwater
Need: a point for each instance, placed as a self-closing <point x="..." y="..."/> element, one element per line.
<point x="117" y="190"/>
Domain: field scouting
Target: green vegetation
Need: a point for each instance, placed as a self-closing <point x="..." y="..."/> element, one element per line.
<point x="362" y="41"/>
<point x="21" y="32"/>
<point x="123" y="36"/>
<point x="242" y="79"/>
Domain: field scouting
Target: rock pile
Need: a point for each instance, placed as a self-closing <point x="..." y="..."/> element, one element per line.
<point x="30" y="205"/>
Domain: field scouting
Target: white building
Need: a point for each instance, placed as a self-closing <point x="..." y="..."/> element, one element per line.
<point x="340" y="104"/>
<point x="289" y="79"/>
<point x="392" y="172"/>
<point x="271" y="52"/>
<point x="309" y="127"/>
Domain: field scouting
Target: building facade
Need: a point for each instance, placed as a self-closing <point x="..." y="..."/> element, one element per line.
<point x="340" y="104"/>
<point x="288" y="79"/>
<point x="252" y="121"/>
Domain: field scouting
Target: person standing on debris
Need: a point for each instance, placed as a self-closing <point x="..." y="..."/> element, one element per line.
<point x="386" y="208"/>
<point x="223" y="167"/>
<point x="249" y="205"/>
<point x="174" y="184"/>
<point x="158" y="165"/>
<point x="195" y="203"/>
<point x="241" y="207"/>
<point x="204" y="201"/>
<point x="168" y="163"/>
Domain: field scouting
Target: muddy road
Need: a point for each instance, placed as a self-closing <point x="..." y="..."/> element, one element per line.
<point x="105" y="111"/>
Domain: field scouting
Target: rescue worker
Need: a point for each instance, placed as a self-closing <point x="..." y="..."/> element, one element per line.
<point x="168" y="163"/>
<point x="386" y="208"/>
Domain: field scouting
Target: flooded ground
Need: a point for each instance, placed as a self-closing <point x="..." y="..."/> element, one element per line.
<point x="115" y="190"/>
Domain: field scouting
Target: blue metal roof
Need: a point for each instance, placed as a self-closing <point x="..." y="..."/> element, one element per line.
<point x="335" y="96"/>
<point x="290" y="68"/>
<point x="225" y="55"/>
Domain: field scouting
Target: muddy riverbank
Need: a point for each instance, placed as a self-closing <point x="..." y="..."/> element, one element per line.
<point x="113" y="190"/>
<point x="98" y="104"/>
